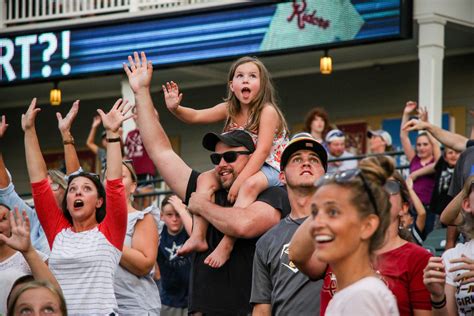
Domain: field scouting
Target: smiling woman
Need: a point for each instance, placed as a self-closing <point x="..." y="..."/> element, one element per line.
<point x="350" y="217"/>
<point x="86" y="236"/>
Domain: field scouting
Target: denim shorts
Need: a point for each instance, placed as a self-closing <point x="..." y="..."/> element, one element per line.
<point x="272" y="175"/>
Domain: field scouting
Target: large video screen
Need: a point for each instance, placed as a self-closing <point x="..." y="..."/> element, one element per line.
<point x="201" y="36"/>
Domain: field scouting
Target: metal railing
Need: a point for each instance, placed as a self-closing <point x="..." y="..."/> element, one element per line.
<point x="17" y="12"/>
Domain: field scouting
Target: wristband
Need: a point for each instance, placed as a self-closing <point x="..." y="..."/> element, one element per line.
<point x="440" y="304"/>
<point x="69" y="141"/>
<point x="113" y="140"/>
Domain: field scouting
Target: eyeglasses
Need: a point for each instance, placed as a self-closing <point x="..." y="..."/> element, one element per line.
<point x="229" y="156"/>
<point x="345" y="177"/>
<point x="392" y="187"/>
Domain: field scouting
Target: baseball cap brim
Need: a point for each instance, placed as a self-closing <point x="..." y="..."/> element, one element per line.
<point x="304" y="143"/>
<point x="235" y="138"/>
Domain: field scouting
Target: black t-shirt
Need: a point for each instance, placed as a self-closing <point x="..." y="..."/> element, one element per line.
<point x="226" y="291"/>
<point x="443" y="175"/>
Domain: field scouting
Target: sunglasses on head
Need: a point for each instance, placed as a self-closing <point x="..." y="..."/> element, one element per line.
<point x="392" y="187"/>
<point x="345" y="177"/>
<point x="229" y="156"/>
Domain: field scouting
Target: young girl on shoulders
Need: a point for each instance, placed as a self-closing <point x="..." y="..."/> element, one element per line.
<point x="250" y="105"/>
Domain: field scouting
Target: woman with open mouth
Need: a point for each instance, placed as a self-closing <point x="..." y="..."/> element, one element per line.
<point x="86" y="236"/>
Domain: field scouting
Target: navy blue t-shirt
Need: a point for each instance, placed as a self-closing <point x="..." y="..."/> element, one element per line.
<point x="174" y="269"/>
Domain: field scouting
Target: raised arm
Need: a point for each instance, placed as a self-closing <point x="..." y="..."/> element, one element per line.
<point x="20" y="241"/>
<point x="34" y="159"/>
<point x="406" y="144"/>
<point x="64" y="125"/>
<point x="302" y="252"/>
<point x="423" y="116"/>
<point x="114" y="225"/>
<point x="418" y="205"/>
<point x="173" y="100"/>
<point x="171" y="167"/>
<point x="269" y="122"/>
<point x="451" y="214"/>
<point x="447" y="138"/>
<point x="90" y="142"/>
<point x="140" y="258"/>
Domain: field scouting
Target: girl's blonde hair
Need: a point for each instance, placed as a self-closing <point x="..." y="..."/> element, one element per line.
<point x="266" y="96"/>
<point x="37" y="285"/>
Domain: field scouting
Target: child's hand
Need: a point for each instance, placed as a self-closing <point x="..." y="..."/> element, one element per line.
<point x="233" y="191"/>
<point x="96" y="121"/>
<point x="172" y="96"/>
<point x="138" y="72"/>
<point x="177" y="204"/>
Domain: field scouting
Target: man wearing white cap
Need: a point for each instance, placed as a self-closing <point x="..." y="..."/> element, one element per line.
<point x="336" y="144"/>
<point x="380" y="141"/>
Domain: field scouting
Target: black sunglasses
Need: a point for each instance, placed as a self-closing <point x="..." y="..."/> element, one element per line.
<point x="345" y="177"/>
<point x="229" y="156"/>
<point x="392" y="187"/>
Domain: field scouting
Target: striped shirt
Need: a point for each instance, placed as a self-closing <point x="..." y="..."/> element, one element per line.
<point x="84" y="263"/>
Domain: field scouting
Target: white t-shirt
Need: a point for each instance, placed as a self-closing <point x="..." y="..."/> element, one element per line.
<point x="368" y="296"/>
<point x="464" y="293"/>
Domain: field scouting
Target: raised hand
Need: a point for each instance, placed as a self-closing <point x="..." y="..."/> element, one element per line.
<point x="96" y="121"/>
<point x="28" y="119"/>
<point x="20" y="232"/>
<point x="172" y="96"/>
<point x="177" y="204"/>
<point x="139" y="72"/>
<point x="64" y="124"/>
<point x="120" y="112"/>
<point x="414" y="125"/>
<point x="423" y="114"/>
<point x="410" y="106"/>
<point x="3" y="126"/>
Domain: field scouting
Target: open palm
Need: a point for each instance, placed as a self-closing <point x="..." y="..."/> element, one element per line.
<point x="113" y="119"/>
<point x="20" y="232"/>
<point x="28" y="119"/>
<point x="138" y="71"/>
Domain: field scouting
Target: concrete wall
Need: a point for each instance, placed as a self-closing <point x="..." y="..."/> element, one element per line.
<point x="360" y="94"/>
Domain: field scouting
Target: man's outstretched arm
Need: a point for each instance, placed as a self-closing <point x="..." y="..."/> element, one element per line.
<point x="171" y="167"/>
<point x="447" y="138"/>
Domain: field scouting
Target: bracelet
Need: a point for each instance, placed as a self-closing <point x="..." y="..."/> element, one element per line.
<point x="440" y="304"/>
<point x="113" y="140"/>
<point x="69" y="141"/>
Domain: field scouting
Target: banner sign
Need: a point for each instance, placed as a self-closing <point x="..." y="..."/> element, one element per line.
<point x="191" y="37"/>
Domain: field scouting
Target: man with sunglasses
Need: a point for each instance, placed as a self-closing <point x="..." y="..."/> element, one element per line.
<point x="223" y="291"/>
<point x="278" y="287"/>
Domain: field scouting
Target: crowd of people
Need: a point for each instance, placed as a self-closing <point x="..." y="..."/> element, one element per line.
<point x="283" y="225"/>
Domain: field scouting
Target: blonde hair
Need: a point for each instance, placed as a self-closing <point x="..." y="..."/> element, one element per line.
<point x="37" y="285"/>
<point x="266" y="96"/>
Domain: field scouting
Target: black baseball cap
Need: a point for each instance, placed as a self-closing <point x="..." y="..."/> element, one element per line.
<point x="234" y="138"/>
<point x="302" y="141"/>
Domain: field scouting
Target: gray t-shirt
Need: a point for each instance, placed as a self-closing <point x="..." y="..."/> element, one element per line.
<point x="345" y="164"/>
<point x="276" y="280"/>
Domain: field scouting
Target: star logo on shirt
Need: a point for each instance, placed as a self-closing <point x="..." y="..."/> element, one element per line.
<point x="173" y="250"/>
